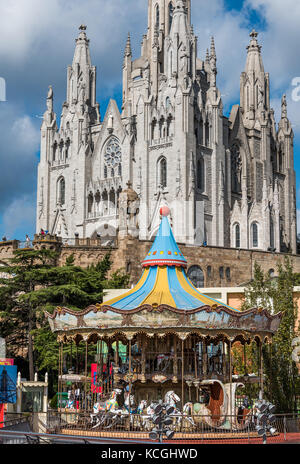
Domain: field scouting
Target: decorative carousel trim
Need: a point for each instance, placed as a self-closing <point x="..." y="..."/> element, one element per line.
<point x="205" y="334"/>
<point x="160" y="308"/>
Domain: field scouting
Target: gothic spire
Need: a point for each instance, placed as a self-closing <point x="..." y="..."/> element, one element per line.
<point x="212" y="48"/>
<point x="82" y="51"/>
<point x="283" y="107"/>
<point x="128" y="51"/>
<point x="254" y="59"/>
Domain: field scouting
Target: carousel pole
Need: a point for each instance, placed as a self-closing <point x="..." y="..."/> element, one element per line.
<point x="59" y="380"/>
<point x="85" y="381"/>
<point x="129" y="349"/>
<point x="230" y="370"/>
<point x="245" y="360"/>
<point x="143" y="347"/>
<point x="204" y="358"/>
<point x="195" y="357"/>
<point x="175" y="365"/>
<point x="129" y="393"/>
<point x="261" y="380"/>
<point x="182" y="373"/>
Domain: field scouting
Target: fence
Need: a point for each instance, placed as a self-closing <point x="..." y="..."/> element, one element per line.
<point x="188" y="428"/>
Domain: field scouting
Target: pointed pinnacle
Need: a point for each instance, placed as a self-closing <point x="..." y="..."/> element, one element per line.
<point x="212" y="47"/>
<point x="128" y="51"/>
<point x="207" y="56"/>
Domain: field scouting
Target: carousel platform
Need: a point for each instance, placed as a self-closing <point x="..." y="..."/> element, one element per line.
<point x="181" y="436"/>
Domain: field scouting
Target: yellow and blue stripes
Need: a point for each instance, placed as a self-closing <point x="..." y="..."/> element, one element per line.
<point x="167" y="285"/>
<point x="164" y="281"/>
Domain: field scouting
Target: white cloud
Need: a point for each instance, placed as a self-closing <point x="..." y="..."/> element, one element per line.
<point x="20" y="214"/>
<point x="19" y="144"/>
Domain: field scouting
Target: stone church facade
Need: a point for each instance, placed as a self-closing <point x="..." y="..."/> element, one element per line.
<point x="229" y="182"/>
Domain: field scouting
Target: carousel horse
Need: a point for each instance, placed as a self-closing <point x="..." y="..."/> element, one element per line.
<point x="163" y="361"/>
<point x="129" y="403"/>
<point x="147" y="423"/>
<point x="171" y="399"/>
<point x="120" y="416"/>
<point x="232" y="412"/>
<point x="99" y="409"/>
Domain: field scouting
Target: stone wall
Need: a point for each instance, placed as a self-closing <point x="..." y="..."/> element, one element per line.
<point x="128" y="253"/>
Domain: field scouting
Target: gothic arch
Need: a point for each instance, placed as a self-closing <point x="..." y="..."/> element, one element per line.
<point x="237" y="235"/>
<point x="156" y="16"/>
<point x="254" y="234"/>
<point x="236" y="167"/>
<point x="170" y="15"/>
<point x="196" y="276"/>
<point x="161" y="172"/>
<point x="61" y="190"/>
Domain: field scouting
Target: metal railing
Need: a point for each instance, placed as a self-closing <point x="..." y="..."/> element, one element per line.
<point x="193" y="427"/>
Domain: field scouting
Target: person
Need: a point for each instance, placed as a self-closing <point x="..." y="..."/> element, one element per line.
<point x="42" y="232"/>
<point x="27" y="241"/>
<point x="246" y="403"/>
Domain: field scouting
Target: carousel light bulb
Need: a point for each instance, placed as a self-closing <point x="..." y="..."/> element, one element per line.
<point x="170" y="410"/>
<point x="169" y="434"/>
<point x="153" y="435"/>
<point x="272" y="408"/>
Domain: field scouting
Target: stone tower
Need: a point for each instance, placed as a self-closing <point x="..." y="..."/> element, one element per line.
<point x="227" y="181"/>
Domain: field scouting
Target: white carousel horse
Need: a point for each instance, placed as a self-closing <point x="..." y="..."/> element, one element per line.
<point x="129" y="402"/>
<point x="171" y="399"/>
<point x="99" y="409"/>
<point x="147" y="424"/>
<point x="187" y="413"/>
<point x="232" y="410"/>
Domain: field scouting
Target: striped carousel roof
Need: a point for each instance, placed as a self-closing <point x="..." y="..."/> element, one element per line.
<point x="164" y="280"/>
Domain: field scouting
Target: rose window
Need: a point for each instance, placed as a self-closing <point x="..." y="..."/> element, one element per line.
<point x="113" y="154"/>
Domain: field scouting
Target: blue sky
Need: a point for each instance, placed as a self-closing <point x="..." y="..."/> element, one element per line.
<point x="37" y="43"/>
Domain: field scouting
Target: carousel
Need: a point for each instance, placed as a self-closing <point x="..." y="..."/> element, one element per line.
<point x="162" y="339"/>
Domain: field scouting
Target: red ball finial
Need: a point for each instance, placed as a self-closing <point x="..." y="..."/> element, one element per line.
<point x="164" y="211"/>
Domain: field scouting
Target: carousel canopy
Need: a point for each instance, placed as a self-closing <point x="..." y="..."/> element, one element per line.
<point x="163" y="300"/>
<point x="164" y="280"/>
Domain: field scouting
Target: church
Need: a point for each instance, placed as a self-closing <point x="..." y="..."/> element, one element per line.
<point x="228" y="181"/>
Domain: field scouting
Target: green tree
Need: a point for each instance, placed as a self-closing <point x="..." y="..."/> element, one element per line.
<point x="276" y="295"/>
<point x="35" y="283"/>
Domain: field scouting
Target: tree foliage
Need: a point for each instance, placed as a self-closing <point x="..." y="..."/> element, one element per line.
<point x="35" y="284"/>
<point x="276" y="295"/>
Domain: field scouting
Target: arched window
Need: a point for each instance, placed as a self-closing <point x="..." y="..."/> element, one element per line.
<point x="221" y="272"/>
<point x="200" y="175"/>
<point x="61" y="150"/>
<point x="272" y="239"/>
<point x="171" y="12"/>
<point x="157" y="19"/>
<point x="196" y="276"/>
<point x="280" y="160"/>
<point x="54" y="151"/>
<point x="90" y="202"/>
<point x="105" y="172"/>
<point x="228" y="276"/>
<point x="237" y="234"/>
<point x="271" y="273"/>
<point x="207" y="134"/>
<point x="162" y="172"/>
<point x="236" y="169"/>
<point x="254" y="233"/>
<point x="68" y="143"/>
<point x="168" y="103"/>
<point x="61" y="193"/>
